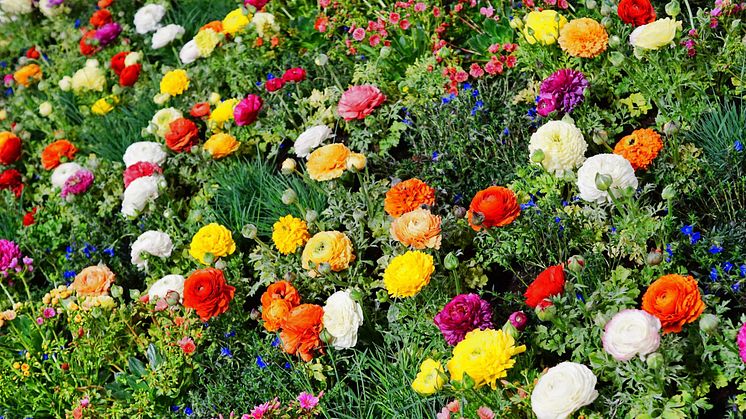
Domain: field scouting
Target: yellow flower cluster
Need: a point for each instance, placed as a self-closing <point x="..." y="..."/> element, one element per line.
<point x="54" y="296"/>
<point x="330" y="247"/>
<point x="485" y="356"/>
<point x="175" y="82"/>
<point x="222" y="113"/>
<point x="407" y="274"/>
<point x="104" y="105"/>
<point x="207" y="40"/>
<point x="430" y="379"/>
<point x="214" y="239"/>
<point x="289" y="233"/>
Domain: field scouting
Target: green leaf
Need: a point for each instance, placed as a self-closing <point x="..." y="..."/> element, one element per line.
<point x="137" y="367"/>
<point x="155" y="359"/>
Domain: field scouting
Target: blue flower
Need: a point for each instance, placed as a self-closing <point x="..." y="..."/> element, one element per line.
<point x="713" y="274"/>
<point x="613" y="230"/>
<point x="226" y="352"/>
<point x="694" y="238"/>
<point x="579" y="296"/>
<point x="69" y="274"/>
<point x="474" y="93"/>
<point x="77" y="23"/>
<point x="479" y="104"/>
<point x="258" y="84"/>
<point x="715" y="249"/>
<point x="506" y="131"/>
<point x="445" y="100"/>
<point x="287" y="366"/>
<point x="69" y="249"/>
<point x="532" y="112"/>
<point x="230" y="334"/>
<point x="742" y="268"/>
<point x="260" y="362"/>
<point x="466" y="86"/>
<point x="188" y="411"/>
<point x="738" y="146"/>
<point x="276" y="342"/>
<point x="557" y="220"/>
<point x="270" y="76"/>
<point x="175" y="408"/>
<point x="458" y="198"/>
<point x="736" y="287"/>
<point x="109" y="251"/>
<point x="435" y="156"/>
<point x="3" y="64"/>
<point x="727" y="266"/>
<point x="9" y="91"/>
<point x="45" y="357"/>
<point x="687" y="230"/>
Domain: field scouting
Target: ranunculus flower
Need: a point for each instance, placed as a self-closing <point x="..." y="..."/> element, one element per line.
<point x="77" y="184"/>
<point x="247" y="110"/>
<point x="17" y="7"/>
<point x="214" y="239"/>
<point x="148" y="18"/>
<point x="117" y="62"/>
<point x="617" y="167"/>
<point x="407" y="196"/>
<point x="10" y="148"/>
<point x="655" y="35"/>
<point x="300" y="334"/>
<point x="543" y="27"/>
<point x="140" y="169"/>
<point x="640" y="147"/>
<point x="28" y="74"/>
<point x="166" y="35"/>
<point x="141" y="191"/>
<point x="93" y="281"/>
<point x="294" y="75"/>
<point x="129" y="75"/>
<point x="108" y="33"/>
<point x="90" y="78"/>
<point x="274" y="84"/>
<point x="430" y="378"/>
<point x="741" y="342"/>
<point x="207" y="293"/>
<point x="550" y="282"/>
<point x="630" y="333"/>
<point x="328" y="162"/>
<point x="330" y="247"/>
<point x="342" y="318"/>
<point x="675" y="300"/>
<point x="419" y="229"/>
<point x="182" y="135"/>
<point x="146" y="151"/>
<point x="100" y="18"/>
<point x="495" y="206"/>
<point x="357" y="102"/>
<point x="221" y="145"/>
<point x="562" y="390"/>
<point x="461" y="315"/>
<point x="561" y="143"/>
<point x="310" y="139"/>
<point x="277" y="301"/>
<point x="28" y="218"/>
<point x="200" y="109"/>
<point x="155" y="243"/>
<point x="10" y="179"/>
<point x="259" y="4"/>
<point x="161" y="121"/>
<point x="64" y="172"/>
<point x="636" y="12"/>
<point x="407" y="274"/>
<point x="169" y="283"/>
<point x="189" y="52"/>
<point x="85" y="44"/>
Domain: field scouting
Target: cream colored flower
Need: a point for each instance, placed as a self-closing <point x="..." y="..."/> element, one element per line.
<point x="561" y="143"/>
<point x="564" y="389"/>
<point x="655" y="35"/>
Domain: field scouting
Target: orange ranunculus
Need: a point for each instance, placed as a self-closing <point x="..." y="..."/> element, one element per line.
<point x="584" y="38"/>
<point x="281" y="290"/>
<point x="50" y="157"/>
<point x="215" y="25"/>
<point x="200" y="109"/>
<point x="207" y="293"/>
<point x="93" y="281"/>
<point x="10" y="148"/>
<point x="495" y="206"/>
<point x="300" y="334"/>
<point x="418" y="228"/>
<point x="675" y="300"/>
<point x="328" y="162"/>
<point x="100" y="18"/>
<point x="26" y="74"/>
<point x="408" y="196"/>
<point x="276" y="314"/>
<point x="640" y="148"/>
<point x="102" y="4"/>
<point x="182" y="135"/>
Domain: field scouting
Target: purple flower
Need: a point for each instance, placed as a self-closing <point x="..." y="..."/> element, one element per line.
<point x="54" y="3"/>
<point x="563" y="91"/>
<point x="518" y="319"/>
<point x="49" y="312"/>
<point x="308" y="401"/>
<point x="741" y="340"/>
<point x="77" y="183"/>
<point x="108" y="33"/>
<point x="461" y="315"/>
<point x="10" y="253"/>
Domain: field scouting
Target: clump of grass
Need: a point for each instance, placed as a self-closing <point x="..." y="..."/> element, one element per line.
<point x="250" y="192"/>
<point x="110" y="136"/>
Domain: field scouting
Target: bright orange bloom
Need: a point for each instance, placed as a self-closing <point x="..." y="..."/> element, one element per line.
<point x="495" y="206"/>
<point x="27" y="74"/>
<point x="640" y="148"/>
<point x="328" y="162"/>
<point x="277" y="302"/>
<point x="300" y="334"/>
<point x="584" y="38"/>
<point x="675" y="300"/>
<point x="407" y="196"/>
<point x="50" y="157"/>
<point x="215" y="25"/>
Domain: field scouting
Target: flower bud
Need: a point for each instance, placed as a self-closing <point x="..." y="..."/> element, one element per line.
<point x="311" y="216"/>
<point x="450" y="261"/>
<point x="289" y="276"/>
<point x="220" y="264"/>
<point x="708" y="323"/>
<point x="66" y="83"/>
<point x="357" y="295"/>
<point x="385" y="52"/>
<point x="477" y="218"/>
<point x="358" y="215"/>
<point x="516" y="23"/>
<point x="356" y="162"/>
<point x="654" y="360"/>
<point x="172" y="298"/>
<point x="673" y="8"/>
<point x="606" y="9"/>
<point x="603" y="182"/>
<point x="616" y="59"/>
<point x="655" y="257"/>
<point x="254" y="314"/>
<point x="519" y="320"/>
<point x="546" y="311"/>
<point x="614" y="41"/>
<point x="249" y="231"/>
<point x="576" y="263"/>
<point x="668" y="193"/>
<point x="324" y="268"/>
<point x="459" y="211"/>
<point x="288" y="166"/>
<point x="321" y="60"/>
<point x="511" y="330"/>
<point x="161" y="98"/>
<point x="591" y="4"/>
<point x="208" y="258"/>
<point x="214" y="98"/>
<point x="325" y="336"/>
<point x="116" y="291"/>
<point x="537" y="156"/>
<point x="607" y="21"/>
<point x="600" y="136"/>
<point x="670" y="128"/>
<point x="45" y="109"/>
<point x="289" y="197"/>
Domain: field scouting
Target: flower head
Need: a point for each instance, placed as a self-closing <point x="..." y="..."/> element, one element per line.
<point x="328" y="162"/>
<point x="584" y="38"/>
<point x="640" y="148"/>
<point x="562" y="91"/>
<point x="741" y="341"/>
<point x="330" y="247"/>
<point x="300" y="333"/>
<point x="550" y="282"/>
<point x="214" y="239"/>
<point x="419" y="229"/>
<point x="207" y="292"/>
<point x="616" y="167"/>
<point x="430" y="378"/>
<point x="562" y="145"/>
<point x="289" y="233"/>
<point x="485" y="356"/>
<point x="562" y="390"/>
<point x="543" y="27"/>
<point x="175" y="82"/>
<point x="407" y="196"/>
<point x="461" y="315"/>
<point x="675" y="300"/>
<point x="77" y="184"/>
<point x="407" y="274"/>
<point x="630" y="333"/>
<point x="308" y="401"/>
<point x="495" y="206"/>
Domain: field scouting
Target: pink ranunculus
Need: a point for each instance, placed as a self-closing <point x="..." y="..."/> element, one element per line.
<point x="358" y="34"/>
<point x="140" y="169"/>
<point x="464" y="313"/>
<point x="741" y="341"/>
<point x="259" y="4"/>
<point x="357" y="102"/>
<point x="247" y="110"/>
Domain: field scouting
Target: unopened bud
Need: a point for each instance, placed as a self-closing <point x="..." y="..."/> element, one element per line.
<point x="511" y="330"/>
<point x="311" y="216"/>
<point x="321" y="60"/>
<point x="670" y="128"/>
<point x="214" y="98"/>
<point x="173" y="298"/>
<point x="655" y="257"/>
<point x="289" y="276"/>
<point x="289" y="197"/>
<point x="616" y="59"/>
<point x="249" y="231"/>
<point x="654" y="360"/>
<point x="603" y="181"/>
<point x="459" y="211"/>
<point x="668" y="193"/>
<point x="356" y="162"/>
<point x="545" y="311"/>
<point x="614" y="41"/>
<point x="288" y="166"/>
<point x="477" y="218"/>
<point x="673" y="8"/>
<point x="576" y="263"/>
<point x="708" y="323"/>
<point x="519" y="320"/>
<point x="537" y="156"/>
<point x="600" y="136"/>
<point x="385" y="52"/>
<point x="324" y="268"/>
<point x="450" y="261"/>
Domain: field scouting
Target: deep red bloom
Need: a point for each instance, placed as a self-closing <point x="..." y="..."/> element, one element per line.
<point x="129" y="75"/>
<point x="28" y="218"/>
<point x="274" y="84"/>
<point x="294" y="75"/>
<point x="138" y="170"/>
<point x="86" y="48"/>
<point x="117" y="62"/>
<point x="549" y="283"/>
<point x="182" y="135"/>
<point x="11" y="179"/>
<point x="33" y="53"/>
<point x="636" y="12"/>
<point x="100" y="18"/>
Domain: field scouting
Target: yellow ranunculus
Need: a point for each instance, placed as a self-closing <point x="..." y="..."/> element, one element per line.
<point x="214" y="239"/>
<point x="207" y="40"/>
<point x="543" y="27"/>
<point x="655" y="35"/>
<point x="485" y="356"/>
<point x="221" y="145"/>
<point x="234" y="22"/>
<point x="223" y="112"/>
<point x="175" y="82"/>
<point x="289" y="233"/>
<point x="104" y="105"/>
<point x="430" y="379"/>
<point x="407" y="274"/>
<point x="330" y="247"/>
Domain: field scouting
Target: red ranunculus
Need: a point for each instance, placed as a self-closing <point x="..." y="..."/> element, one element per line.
<point x="357" y="102"/>
<point x="274" y="84"/>
<point x="10" y="148"/>
<point x="100" y="18"/>
<point x="256" y="3"/>
<point x="129" y="75"/>
<point x="200" y="109"/>
<point x="117" y="62"/>
<point x="247" y="110"/>
<point x="182" y="135"/>
<point x="636" y="12"/>
<point x="86" y="43"/>
<point x="33" y="53"/>
<point x="11" y="179"/>
<point x="138" y="170"/>
<point x="28" y="218"/>
<point x="549" y="283"/>
<point x="207" y="293"/>
<point x="294" y="75"/>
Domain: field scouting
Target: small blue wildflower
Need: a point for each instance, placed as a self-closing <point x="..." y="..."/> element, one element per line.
<point x="727" y="266"/>
<point x="276" y="342"/>
<point x="613" y="230"/>
<point x="363" y="57"/>
<point x="479" y="104"/>
<point x="226" y="352"/>
<point x="188" y="411"/>
<point x="270" y="76"/>
<point x="537" y="99"/>
<point x="9" y="91"/>
<point x="474" y="111"/>
<point x="506" y="131"/>
<point x="687" y="230"/>
<point x="579" y="296"/>
<point x="557" y="220"/>
<point x="3" y="64"/>
<point x="694" y="238"/>
<point x="743" y="270"/>
<point x="736" y="287"/>
<point x="445" y="100"/>
<point x="69" y="274"/>
<point x="109" y="251"/>
<point x="738" y="146"/>
<point x="466" y="86"/>
<point x="287" y="366"/>
<point x="458" y="198"/>
<point x="258" y="84"/>
<point x="260" y="362"/>
<point x="77" y="23"/>
<point x="45" y="357"/>
<point x="175" y="408"/>
<point x="532" y="112"/>
<point x="435" y="156"/>
<point x="408" y="121"/>
<point x="474" y="93"/>
<point x="713" y="274"/>
<point x="69" y="249"/>
<point x="715" y="249"/>
<point x="230" y="334"/>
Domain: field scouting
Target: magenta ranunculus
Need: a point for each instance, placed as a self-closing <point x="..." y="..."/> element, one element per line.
<point x="741" y="340"/>
<point x="256" y="3"/>
<point x="77" y="183"/>
<point x="463" y="314"/>
<point x="519" y="320"/>
<point x="294" y="75"/>
<point x="140" y="169"/>
<point x="108" y="33"/>
<point x="10" y="257"/>
<point x="357" y="102"/>
<point x="247" y="110"/>
<point x="562" y="91"/>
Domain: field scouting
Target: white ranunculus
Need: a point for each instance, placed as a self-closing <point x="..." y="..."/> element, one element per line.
<point x="48" y="10"/>
<point x="342" y="318"/>
<point x="617" y="167"/>
<point x="147" y="151"/>
<point x="630" y="333"/>
<point x="189" y="52"/>
<point x="562" y="144"/>
<point x="89" y="78"/>
<point x="152" y="242"/>
<point x="166" y="35"/>
<point x="564" y="389"/>
<point x="141" y="191"/>
<point x="66" y="83"/>
<point x="16" y="7"/>
<point x="265" y="24"/>
<point x="310" y="139"/>
<point x="132" y="58"/>
<point x="161" y="121"/>
<point x="655" y="35"/>
<point x="166" y="284"/>
<point x="63" y="172"/>
<point x="148" y="18"/>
